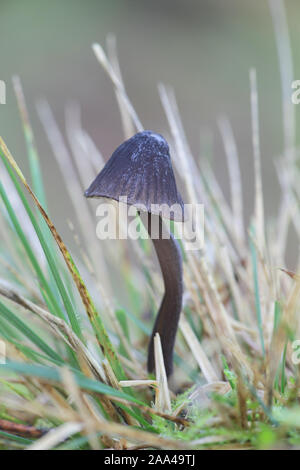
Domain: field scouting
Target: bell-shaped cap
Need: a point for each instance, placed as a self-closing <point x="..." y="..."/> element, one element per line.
<point x="141" y="170"/>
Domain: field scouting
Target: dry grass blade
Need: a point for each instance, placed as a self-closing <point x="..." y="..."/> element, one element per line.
<point x="235" y="176"/>
<point x="80" y="143"/>
<point x="199" y="354"/>
<point x="284" y="50"/>
<point x="183" y="151"/>
<point x="138" y="383"/>
<point x="259" y="204"/>
<point x="118" y="84"/>
<point x="76" y="397"/>
<point x="75" y="190"/>
<point x="162" y="399"/>
<point x="127" y="121"/>
<point x="55" y="437"/>
<point x="288" y="324"/>
<point x="60" y="327"/>
<point x="21" y="429"/>
<point x="291" y="274"/>
<point x="141" y="437"/>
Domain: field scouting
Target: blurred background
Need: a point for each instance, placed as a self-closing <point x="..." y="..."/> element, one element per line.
<point x="203" y="48"/>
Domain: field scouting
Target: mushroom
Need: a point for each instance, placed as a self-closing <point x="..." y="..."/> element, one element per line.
<point x="140" y="169"/>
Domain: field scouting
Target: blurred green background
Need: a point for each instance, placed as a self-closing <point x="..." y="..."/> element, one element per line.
<point x="203" y="48"/>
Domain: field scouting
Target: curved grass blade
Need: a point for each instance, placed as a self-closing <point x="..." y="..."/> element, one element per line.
<point x="20" y="440"/>
<point x="35" y="167"/>
<point x="101" y="334"/>
<point x="60" y="285"/>
<point x="46" y="291"/>
<point x="52" y="374"/>
<point x="8" y="315"/>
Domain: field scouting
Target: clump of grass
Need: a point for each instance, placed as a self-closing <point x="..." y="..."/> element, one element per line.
<point x="76" y="359"/>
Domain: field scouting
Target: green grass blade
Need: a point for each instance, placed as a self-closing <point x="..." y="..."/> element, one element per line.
<point x="60" y="285"/>
<point x="18" y="439"/>
<point x="283" y="377"/>
<point x="8" y="315"/>
<point x="34" y="161"/>
<point x="96" y="322"/>
<point x="52" y="374"/>
<point x="277" y="315"/>
<point x="46" y="291"/>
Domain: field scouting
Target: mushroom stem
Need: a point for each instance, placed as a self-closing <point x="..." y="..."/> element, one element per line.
<point x="170" y="260"/>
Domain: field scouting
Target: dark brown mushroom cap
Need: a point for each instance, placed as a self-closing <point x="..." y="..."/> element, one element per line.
<point x="141" y="170"/>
